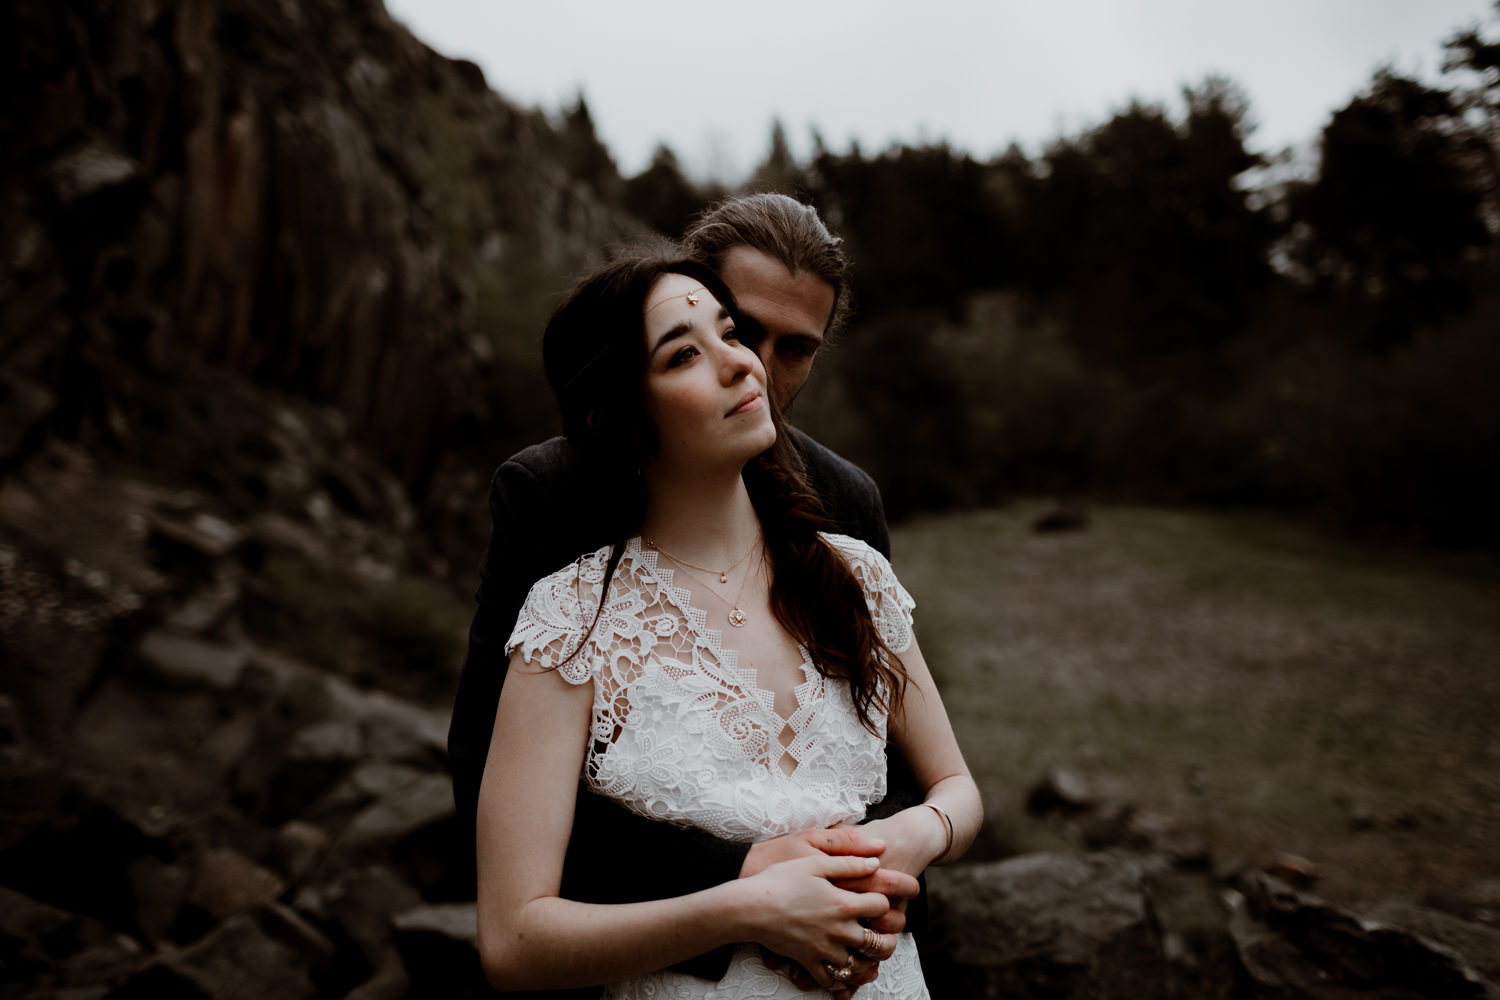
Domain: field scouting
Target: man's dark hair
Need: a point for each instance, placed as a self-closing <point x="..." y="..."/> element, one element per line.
<point x="781" y="228"/>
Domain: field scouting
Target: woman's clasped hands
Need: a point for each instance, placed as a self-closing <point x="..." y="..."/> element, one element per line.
<point x="799" y="913"/>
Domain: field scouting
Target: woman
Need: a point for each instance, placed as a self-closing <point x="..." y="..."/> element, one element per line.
<point x="723" y="665"/>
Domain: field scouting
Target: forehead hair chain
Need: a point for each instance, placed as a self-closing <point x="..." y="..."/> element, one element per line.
<point x="693" y="298"/>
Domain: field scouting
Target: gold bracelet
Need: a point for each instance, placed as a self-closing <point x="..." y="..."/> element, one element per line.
<point x="947" y="825"/>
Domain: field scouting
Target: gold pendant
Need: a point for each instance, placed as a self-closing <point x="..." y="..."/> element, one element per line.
<point x="738" y="618"/>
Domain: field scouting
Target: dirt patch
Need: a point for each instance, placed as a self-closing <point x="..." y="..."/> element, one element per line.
<point x="1270" y="689"/>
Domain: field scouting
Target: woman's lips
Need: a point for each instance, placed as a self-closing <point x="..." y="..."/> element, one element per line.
<point x="752" y="401"/>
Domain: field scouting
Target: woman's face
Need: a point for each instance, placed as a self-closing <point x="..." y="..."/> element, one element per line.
<point x="705" y="391"/>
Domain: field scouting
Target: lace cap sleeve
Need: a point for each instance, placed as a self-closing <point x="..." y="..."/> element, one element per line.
<point x="890" y="604"/>
<point x="554" y="621"/>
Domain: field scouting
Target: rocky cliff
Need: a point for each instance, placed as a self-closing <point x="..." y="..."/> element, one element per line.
<point x="297" y="191"/>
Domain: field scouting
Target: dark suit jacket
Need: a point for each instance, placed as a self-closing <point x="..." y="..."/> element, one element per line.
<point x="544" y="507"/>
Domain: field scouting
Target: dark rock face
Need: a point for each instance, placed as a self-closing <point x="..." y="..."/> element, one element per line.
<point x="300" y="191"/>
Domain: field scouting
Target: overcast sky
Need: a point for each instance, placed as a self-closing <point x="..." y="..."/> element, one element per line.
<point x="708" y="78"/>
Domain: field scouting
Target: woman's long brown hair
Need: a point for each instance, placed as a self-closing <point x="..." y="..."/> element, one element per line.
<point x="594" y="354"/>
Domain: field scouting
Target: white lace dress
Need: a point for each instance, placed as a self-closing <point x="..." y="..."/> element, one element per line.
<point x="681" y="733"/>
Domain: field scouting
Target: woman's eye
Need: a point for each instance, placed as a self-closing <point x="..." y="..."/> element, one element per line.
<point x="731" y="334"/>
<point x="682" y="357"/>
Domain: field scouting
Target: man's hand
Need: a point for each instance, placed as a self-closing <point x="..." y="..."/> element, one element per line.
<point x="897" y="886"/>
<point x="850" y="840"/>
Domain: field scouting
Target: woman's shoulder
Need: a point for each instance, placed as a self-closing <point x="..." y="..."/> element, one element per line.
<point x="890" y="604"/>
<point x="856" y="551"/>
<point x="585" y="569"/>
<point x="557" y="616"/>
<point x="871" y="568"/>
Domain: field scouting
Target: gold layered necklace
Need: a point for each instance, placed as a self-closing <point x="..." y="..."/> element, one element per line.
<point x="737" y="616"/>
<point x="722" y="574"/>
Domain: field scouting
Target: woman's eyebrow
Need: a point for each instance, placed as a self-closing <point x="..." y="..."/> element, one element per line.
<point x="684" y="327"/>
<point x="679" y="330"/>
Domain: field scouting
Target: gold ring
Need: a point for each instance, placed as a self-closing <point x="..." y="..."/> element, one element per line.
<point x="870" y="946"/>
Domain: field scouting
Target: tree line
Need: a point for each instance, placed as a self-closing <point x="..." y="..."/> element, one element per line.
<point x="1153" y="309"/>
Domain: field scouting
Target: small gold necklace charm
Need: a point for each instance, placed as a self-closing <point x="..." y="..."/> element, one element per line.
<point x="738" y="618"/>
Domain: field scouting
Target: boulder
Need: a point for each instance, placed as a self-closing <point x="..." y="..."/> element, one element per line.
<point x="455" y="921"/>
<point x="226" y="882"/>
<point x="1478" y="944"/>
<point x="79" y="855"/>
<point x="403" y="811"/>
<point x="1060" y="790"/>
<point x="240" y="959"/>
<point x="1294" y="944"/>
<point x="35" y="937"/>
<point x="1191" y="911"/>
<point x="1478" y="901"/>
<point x="193" y="533"/>
<point x="207" y="607"/>
<point x="190" y="662"/>
<point x="298" y="848"/>
<point x="88" y="168"/>
<point x="1045" y="925"/>
<point x="24" y="405"/>
<point x="94" y="970"/>
<point x="315" y="759"/>
<point x="395" y="729"/>
<point x="1122" y="825"/>
<point x="1062" y="517"/>
<point x="32" y="784"/>
<point x="440" y="946"/>
<point x="159" y="888"/>
<point x="359" y="904"/>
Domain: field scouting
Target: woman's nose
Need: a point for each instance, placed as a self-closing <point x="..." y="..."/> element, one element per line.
<point x="736" y="363"/>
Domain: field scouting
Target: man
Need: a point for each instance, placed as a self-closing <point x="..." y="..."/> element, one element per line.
<point x="787" y="273"/>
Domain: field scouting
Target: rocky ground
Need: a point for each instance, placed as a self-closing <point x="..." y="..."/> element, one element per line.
<point x="224" y="722"/>
<point x="228" y="654"/>
<point x="1275" y="747"/>
<point x="1273" y="689"/>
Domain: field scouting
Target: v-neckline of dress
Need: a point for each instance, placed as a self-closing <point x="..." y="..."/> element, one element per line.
<point x="810" y="693"/>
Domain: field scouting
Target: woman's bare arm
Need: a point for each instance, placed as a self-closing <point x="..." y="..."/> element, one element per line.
<point x="529" y="937"/>
<point x="917" y="838"/>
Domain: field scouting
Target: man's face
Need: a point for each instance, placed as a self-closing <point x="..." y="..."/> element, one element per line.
<point x="792" y="310"/>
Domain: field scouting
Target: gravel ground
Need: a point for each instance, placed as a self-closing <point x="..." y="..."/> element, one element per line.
<point x="1271" y="690"/>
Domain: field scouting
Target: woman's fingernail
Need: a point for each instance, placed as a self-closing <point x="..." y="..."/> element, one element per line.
<point x="872" y="863"/>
